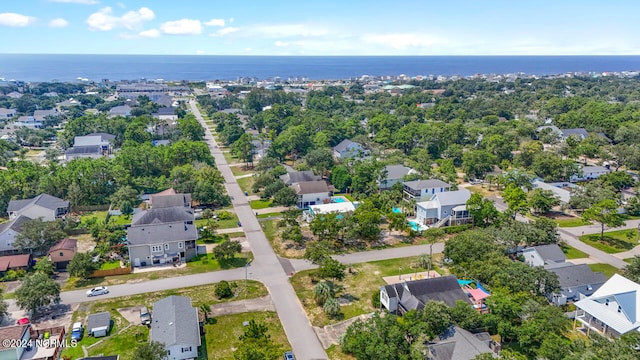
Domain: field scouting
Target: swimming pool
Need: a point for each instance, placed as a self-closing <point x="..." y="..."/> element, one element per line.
<point x="415" y="226"/>
<point x="339" y="200"/>
<point x="397" y="210"/>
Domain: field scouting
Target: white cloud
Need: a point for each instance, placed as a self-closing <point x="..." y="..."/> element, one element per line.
<point x="182" y="27"/>
<point x="15" y="20"/>
<point x="281" y="43"/>
<point x="104" y="20"/>
<point x="58" y="23"/>
<point x="85" y="2"/>
<point x="200" y="52"/>
<point x="224" y="31"/>
<point x="215" y="22"/>
<point x="152" y="33"/>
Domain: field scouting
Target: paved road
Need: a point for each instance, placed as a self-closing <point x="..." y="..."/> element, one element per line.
<point x="570" y="236"/>
<point x="266" y="266"/>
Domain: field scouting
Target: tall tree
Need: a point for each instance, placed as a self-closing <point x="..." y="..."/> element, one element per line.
<point x="37" y="290"/>
<point x="542" y="201"/>
<point x="37" y="236"/>
<point x="516" y="199"/>
<point x="483" y="211"/>
<point x="606" y="213"/>
<point x="82" y="265"/>
<point x="151" y="351"/>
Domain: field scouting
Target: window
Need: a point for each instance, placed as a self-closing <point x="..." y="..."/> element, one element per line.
<point x="166" y="246"/>
<point x="61" y="253"/>
<point x="186" y="349"/>
<point x="156" y="248"/>
<point x="180" y="245"/>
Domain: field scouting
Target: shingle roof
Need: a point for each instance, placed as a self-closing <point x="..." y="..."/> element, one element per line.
<point x="14" y="261"/>
<point x="15" y="224"/>
<point x="577" y="275"/>
<point x="163" y="215"/>
<point x="104" y="136"/>
<point x="562" y="194"/>
<point x="344" y="145"/>
<point x="44" y="200"/>
<point x="551" y="252"/>
<point x="310" y="187"/>
<point x="445" y="289"/>
<point x="98" y="320"/>
<point x="161" y="233"/>
<point x="299" y="176"/>
<point x="175" y="321"/>
<point x="576" y="131"/>
<point x="457" y="197"/>
<point x="458" y="344"/>
<point x="14" y="332"/>
<point x="166" y="111"/>
<point x="426" y="184"/>
<point x="166" y="201"/>
<point x="396" y="171"/>
<point x="64" y="244"/>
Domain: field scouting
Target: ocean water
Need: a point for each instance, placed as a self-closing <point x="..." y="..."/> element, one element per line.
<point x="201" y="67"/>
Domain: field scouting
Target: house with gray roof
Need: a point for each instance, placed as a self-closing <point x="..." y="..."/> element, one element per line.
<point x="590" y="172"/>
<point x="166" y="113"/>
<point x="99" y="324"/>
<point x="94" y="145"/>
<point x="42" y="115"/>
<point x="421" y="190"/>
<point x="42" y="206"/>
<point x="312" y="193"/>
<point x="579" y="133"/>
<point x="292" y="177"/>
<point x="445" y="208"/>
<point x="163" y="235"/>
<point x="9" y="232"/>
<point x="576" y="282"/>
<point x="122" y="110"/>
<point x="6" y="114"/>
<point x="394" y="174"/>
<point x="558" y="189"/>
<point x="413" y="295"/>
<point x="175" y="325"/>
<point x="348" y="149"/>
<point x="459" y="344"/>
<point x="543" y="255"/>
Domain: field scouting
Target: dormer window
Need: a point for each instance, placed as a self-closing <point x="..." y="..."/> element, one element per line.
<point x="619" y="308"/>
<point x="606" y="302"/>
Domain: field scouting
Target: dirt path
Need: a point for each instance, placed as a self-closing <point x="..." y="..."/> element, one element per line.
<point x="235" y="307"/>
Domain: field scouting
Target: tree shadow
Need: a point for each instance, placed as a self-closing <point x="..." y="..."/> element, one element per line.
<point x="235" y="262"/>
<point x="88" y="282"/>
<point x="613" y="242"/>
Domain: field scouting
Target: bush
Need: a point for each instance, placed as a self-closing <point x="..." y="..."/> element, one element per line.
<point x="456" y="229"/>
<point x="223" y="290"/>
<point x="375" y="299"/>
<point x="224" y="215"/>
<point x="13" y="275"/>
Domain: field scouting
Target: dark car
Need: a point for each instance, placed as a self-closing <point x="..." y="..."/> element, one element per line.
<point x="289" y="356"/>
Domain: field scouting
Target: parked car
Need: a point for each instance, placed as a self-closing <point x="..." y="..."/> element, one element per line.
<point x="76" y="331"/>
<point x="289" y="356"/>
<point x="100" y="290"/>
<point x="145" y="316"/>
<point x="22" y="321"/>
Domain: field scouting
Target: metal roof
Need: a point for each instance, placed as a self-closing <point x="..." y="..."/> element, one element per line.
<point x="426" y="184"/>
<point x="175" y="321"/>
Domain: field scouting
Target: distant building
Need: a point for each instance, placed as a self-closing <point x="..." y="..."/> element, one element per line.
<point x="6" y="114"/>
<point x="395" y="174"/>
<point x="348" y="149"/>
<point x="338" y="208"/>
<point x="166" y="113"/>
<point x="62" y="252"/>
<point x="579" y="133"/>
<point x="590" y="173"/>
<point x="576" y="282"/>
<point x="459" y="344"/>
<point x="557" y="189"/>
<point x="542" y="255"/>
<point x="423" y="189"/>
<point x="292" y="177"/>
<point x="42" y="206"/>
<point x="94" y="145"/>
<point x="122" y="110"/>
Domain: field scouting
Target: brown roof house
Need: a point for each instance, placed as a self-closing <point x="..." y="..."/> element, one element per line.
<point x="14" y="262"/>
<point x="62" y="252"/>
<point x="18" y="334"/>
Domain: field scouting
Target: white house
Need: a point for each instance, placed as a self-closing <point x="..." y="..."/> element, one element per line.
<point x="447" y="207"/>
<point x="613" y="310"/>
<point x="42" y="206"/>
<point x="590" y="173"/>
<point x="542" y="255"/>
<point x="339" y="208"/>
<point x="348" y="149"/>
<point x="6" y="114"/>
<point x="166" y="113"/>
<point x="175" y="325"/>
<point x="423" y="189"/>
<point x="8" y="233"/>
<point x="312" y="193"/>
<point x="556" y="188"/>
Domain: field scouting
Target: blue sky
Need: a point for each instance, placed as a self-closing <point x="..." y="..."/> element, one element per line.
<point x="327" y="27"/>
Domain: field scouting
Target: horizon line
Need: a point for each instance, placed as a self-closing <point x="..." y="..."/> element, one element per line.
<point x="302" y="55"/>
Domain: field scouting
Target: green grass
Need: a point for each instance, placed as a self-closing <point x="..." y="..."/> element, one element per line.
<point x="126" y="342"/>
<point x="222" y="224"/>
<point x="110" y="265"/>
<point x="269" y="228"/>
<point x="358" y="285"/>
<point x="335" y="353"/>
<point x="613" y="241"/>
<point x="246" y="183"/>
<point x="574" y="222"/>
<point x="260" y="204"/>
<point x="628" y="260"/>
<point x="99" y="215"/>
<point x="222" y="336"/>
<point x="228" y="156"/>
<point x="120" y="220"/>
<point x="268" y="215"/>
<point x="205" y="263"/>
<point x="606" y="269"/>
<point x="573" y="253"/>
<point x="240" y="170"/>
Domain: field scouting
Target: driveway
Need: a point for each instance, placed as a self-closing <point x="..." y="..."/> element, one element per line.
<point x="241" y="306"/>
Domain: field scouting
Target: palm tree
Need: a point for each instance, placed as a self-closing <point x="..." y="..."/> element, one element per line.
<point x="490" y="179"/>
<point x="424" y="261"/>
<point x="205" y="310"/>
<point x="432" y="235"/>
<point x="331" y="307"/>
<point x="323" y="292"/>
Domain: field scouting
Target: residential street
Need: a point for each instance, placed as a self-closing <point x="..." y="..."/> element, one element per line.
<point x="266" y="266"/>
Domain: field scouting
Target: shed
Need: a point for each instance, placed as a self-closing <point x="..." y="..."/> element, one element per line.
<point x="98" y="324"/>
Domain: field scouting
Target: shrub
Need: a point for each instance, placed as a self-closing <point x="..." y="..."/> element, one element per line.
<point x="456" y="228"/>
<point x="223" y="290"/>
<point x="375" y="300"/>
<point x="224" y="215"/>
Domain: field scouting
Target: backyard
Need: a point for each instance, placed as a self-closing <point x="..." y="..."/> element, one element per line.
<point x="613" y="241"/>
<point x="125" y="337"/>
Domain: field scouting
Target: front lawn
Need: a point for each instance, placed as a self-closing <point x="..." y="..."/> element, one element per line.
<point x="268" y="215"/>
<point x="571" y="222"/>
<point x="122" y="340"/>
<point x="222" y="224"/>
<point x="223" y="335"/>
<point x="227" y="155"/>
<point x="355" y="291"/>
<point x="606" y="269"/>
<point x="240" y="170"/>
<point x="245" y="183"/>
<point x="613" y="241"/>
<point x="260" y="204"/>
<point x="205" y="263"/>
<point x="573" y="253"/>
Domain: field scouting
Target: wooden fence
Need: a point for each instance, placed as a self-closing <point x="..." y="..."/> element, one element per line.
<point x="111" y="272"/>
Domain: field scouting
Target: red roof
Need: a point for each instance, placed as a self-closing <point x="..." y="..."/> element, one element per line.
<point x="14" y="261"/>
<point x="477" y="294"/>
<point x="65" y="244"/>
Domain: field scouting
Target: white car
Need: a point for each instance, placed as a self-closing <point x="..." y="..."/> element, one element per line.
<point x="100" y="290"/>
